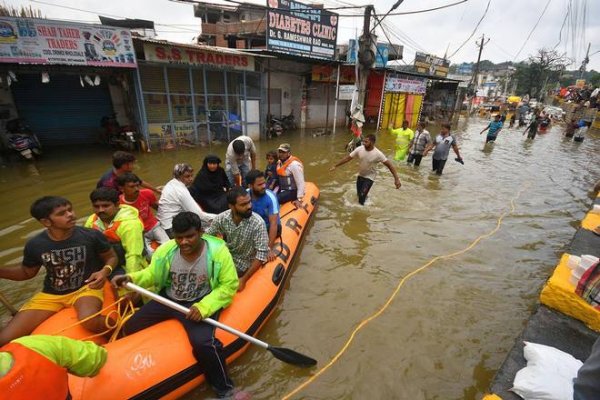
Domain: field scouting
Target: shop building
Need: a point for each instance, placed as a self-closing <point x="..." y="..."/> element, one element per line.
<point x="195" y="94"/>
<point x="63" y="78"/>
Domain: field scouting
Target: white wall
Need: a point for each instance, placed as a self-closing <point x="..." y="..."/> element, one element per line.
<point x="291" y="91"/>
<point x="317" y="106"/>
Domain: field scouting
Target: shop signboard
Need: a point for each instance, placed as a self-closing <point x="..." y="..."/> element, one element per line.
<point x="195" y="55"/>
<point x="405" y="85"/>
<point x="41" y="41"/>
<point x="381" y="57"/>
<point x="328" y="73"/>
<point x="432" y="65"/>
<point x="346" y="92"/>
<point x="302" y="30"/>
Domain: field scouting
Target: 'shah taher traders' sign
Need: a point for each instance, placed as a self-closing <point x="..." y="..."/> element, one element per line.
<point x="299" y="29"/>
<point x="41" y="41"/>
<point x="432" y="65"/>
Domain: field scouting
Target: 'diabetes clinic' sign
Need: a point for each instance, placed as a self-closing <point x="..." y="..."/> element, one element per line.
<point x="432" y="65"/>
<point x="41" y="41"/>
<point x="405" y="85"/>
<point x="302" y="30"/>
<point x="197" y="56"/>
<point x="381" y="57"/>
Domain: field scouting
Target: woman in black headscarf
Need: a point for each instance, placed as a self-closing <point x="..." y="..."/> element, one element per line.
<point x="210" y="186"/>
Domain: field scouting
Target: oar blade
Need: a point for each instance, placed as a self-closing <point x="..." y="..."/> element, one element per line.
<point x="292" y="357"/>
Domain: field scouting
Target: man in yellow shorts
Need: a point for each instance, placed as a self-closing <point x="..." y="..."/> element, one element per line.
<point x="77" y="262"/>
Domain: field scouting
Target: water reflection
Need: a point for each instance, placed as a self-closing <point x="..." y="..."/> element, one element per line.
<point x="450" y="327"/>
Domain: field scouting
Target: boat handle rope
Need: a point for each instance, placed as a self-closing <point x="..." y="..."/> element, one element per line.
<point x="122" y="315"/>
<point x="391" y="298"/>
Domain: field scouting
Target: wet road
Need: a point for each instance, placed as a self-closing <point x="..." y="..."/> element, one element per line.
<point x="449" y="328"/>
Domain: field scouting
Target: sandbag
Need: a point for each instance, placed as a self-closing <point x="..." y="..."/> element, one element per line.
<point x="548" y="375"/>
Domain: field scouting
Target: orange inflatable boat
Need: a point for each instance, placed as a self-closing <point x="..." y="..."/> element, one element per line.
<point x="158" y="362"/>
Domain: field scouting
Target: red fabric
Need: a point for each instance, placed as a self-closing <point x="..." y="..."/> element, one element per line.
<point x="33" y="376"/>
<point x="144" y="205"/>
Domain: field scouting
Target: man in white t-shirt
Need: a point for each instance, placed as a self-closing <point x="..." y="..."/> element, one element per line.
<point x="368" y="156"/>
<point x="240" y="158"/>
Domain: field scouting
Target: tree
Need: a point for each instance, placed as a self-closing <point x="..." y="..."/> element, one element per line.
<point x="539" y="69"/>
<point x="23" y="12"/>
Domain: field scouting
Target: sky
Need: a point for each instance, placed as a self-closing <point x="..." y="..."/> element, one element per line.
<point x="508" y="24"/>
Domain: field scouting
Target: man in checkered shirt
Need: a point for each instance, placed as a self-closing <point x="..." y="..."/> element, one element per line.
<point x="244" y="232"/>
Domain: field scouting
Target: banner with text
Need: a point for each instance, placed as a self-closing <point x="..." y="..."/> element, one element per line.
<point x="40" y="41"/>
<point x="405" y="85"/>
<point x="197" y="56"/>
<point x="432" y="65"/>
<point x="302" y="30"/>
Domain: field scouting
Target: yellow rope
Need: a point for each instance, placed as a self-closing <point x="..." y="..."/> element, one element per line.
<point x="393" y="295"/>
<point x="113" y="324"/>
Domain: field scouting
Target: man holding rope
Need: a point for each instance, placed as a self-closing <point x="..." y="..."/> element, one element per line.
<point x="77" y="262"/>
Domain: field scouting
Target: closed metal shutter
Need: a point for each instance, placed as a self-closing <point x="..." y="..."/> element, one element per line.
<point x="62" y="111"/>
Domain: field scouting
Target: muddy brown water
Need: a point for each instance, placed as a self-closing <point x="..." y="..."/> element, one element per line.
<point x="448" y="329"/>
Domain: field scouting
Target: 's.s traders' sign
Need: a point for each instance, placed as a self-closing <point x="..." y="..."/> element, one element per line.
<point x="299" y="29"/>
<point x="41" y="41"/>
<point x="197" y="56"/>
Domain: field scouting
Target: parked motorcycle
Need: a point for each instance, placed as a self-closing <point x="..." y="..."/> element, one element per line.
<point x="123" y="137"/>
<point x="288" y="122"/>
<point x="22" y="140"/>
<point x="274" y="127"/>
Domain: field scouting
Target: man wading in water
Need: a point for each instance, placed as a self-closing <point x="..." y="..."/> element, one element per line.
<point x="368" y="156"/>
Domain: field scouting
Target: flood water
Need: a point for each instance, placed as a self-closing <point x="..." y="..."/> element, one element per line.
<point x="449" y="328"/>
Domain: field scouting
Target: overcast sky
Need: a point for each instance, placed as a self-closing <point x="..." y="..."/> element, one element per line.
<point x="507" y="23"/>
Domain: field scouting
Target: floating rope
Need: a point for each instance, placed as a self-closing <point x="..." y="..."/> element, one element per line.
<point x="365" y="321"/>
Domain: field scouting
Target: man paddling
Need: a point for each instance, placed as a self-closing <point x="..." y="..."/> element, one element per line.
<point x="196" y="271"/>
<point x="368" y="156"/>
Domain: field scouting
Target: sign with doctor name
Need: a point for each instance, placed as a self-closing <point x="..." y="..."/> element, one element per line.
<point x="42" y="41"/>
<point x="302" y="30"/>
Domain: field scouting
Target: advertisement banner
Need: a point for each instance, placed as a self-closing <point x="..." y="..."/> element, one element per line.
<point x="302" y="30"/>
<point x="197" y="56"/>
<point x="328" y="73"/>
<point x="405" y="85"/>
<point x="432" y="65"/>
<point x="381" y="57"/>
<point x="40" y="41"/>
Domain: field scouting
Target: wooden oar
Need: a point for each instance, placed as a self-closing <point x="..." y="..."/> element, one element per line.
<point x="286" y="355"/>
<point x="8" y="306"/>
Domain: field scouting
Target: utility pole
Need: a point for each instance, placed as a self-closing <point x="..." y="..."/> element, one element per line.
<point x="366" y="56"/>
<point x="585" y="62"/>
<point x="473" y="84"/>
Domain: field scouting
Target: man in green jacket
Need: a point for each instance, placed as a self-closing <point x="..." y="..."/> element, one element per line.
<point x="196" y="271"/>
<point x="122" y="227"/>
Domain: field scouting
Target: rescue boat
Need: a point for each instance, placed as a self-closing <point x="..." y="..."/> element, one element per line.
<point x="158" y="362"/>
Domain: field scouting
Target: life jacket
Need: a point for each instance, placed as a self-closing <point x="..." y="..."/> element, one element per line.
<point x="33" y="376"/>
<point x="286" y="182"/>
<point x="110" y="233"/>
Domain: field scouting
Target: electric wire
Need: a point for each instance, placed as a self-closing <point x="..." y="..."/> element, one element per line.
<point x="563" y="25"/>
<point x="391" y="298"/>
<point x="533" y="29"/>
<point x="474" y="30"/>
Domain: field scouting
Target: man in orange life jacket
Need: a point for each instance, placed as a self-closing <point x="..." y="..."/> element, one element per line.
<point x="121" y="226"/>
<point x="37" y="367"/>
<point x="290" y="173"/>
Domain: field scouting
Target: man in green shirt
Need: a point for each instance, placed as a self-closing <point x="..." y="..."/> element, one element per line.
<point x="196" y="271"/>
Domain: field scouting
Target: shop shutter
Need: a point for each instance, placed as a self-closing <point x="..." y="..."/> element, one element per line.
<point x="62" y="111"/>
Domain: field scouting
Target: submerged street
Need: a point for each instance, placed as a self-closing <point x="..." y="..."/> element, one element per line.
<point x="449" y="328"/>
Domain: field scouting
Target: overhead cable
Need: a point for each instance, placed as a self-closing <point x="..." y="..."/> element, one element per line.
<point x="533" y="29"/>
<point x="474" y="30"/>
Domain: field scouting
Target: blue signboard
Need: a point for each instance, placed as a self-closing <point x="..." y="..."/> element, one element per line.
<point x="381" y="58"/>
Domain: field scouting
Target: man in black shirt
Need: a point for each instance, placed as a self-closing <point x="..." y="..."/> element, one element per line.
<point x="77" y="262"/>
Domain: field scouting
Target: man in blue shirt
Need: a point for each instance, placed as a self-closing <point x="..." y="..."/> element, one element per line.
<point x="265" y="204"/>
<point x="494" y="129"/>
